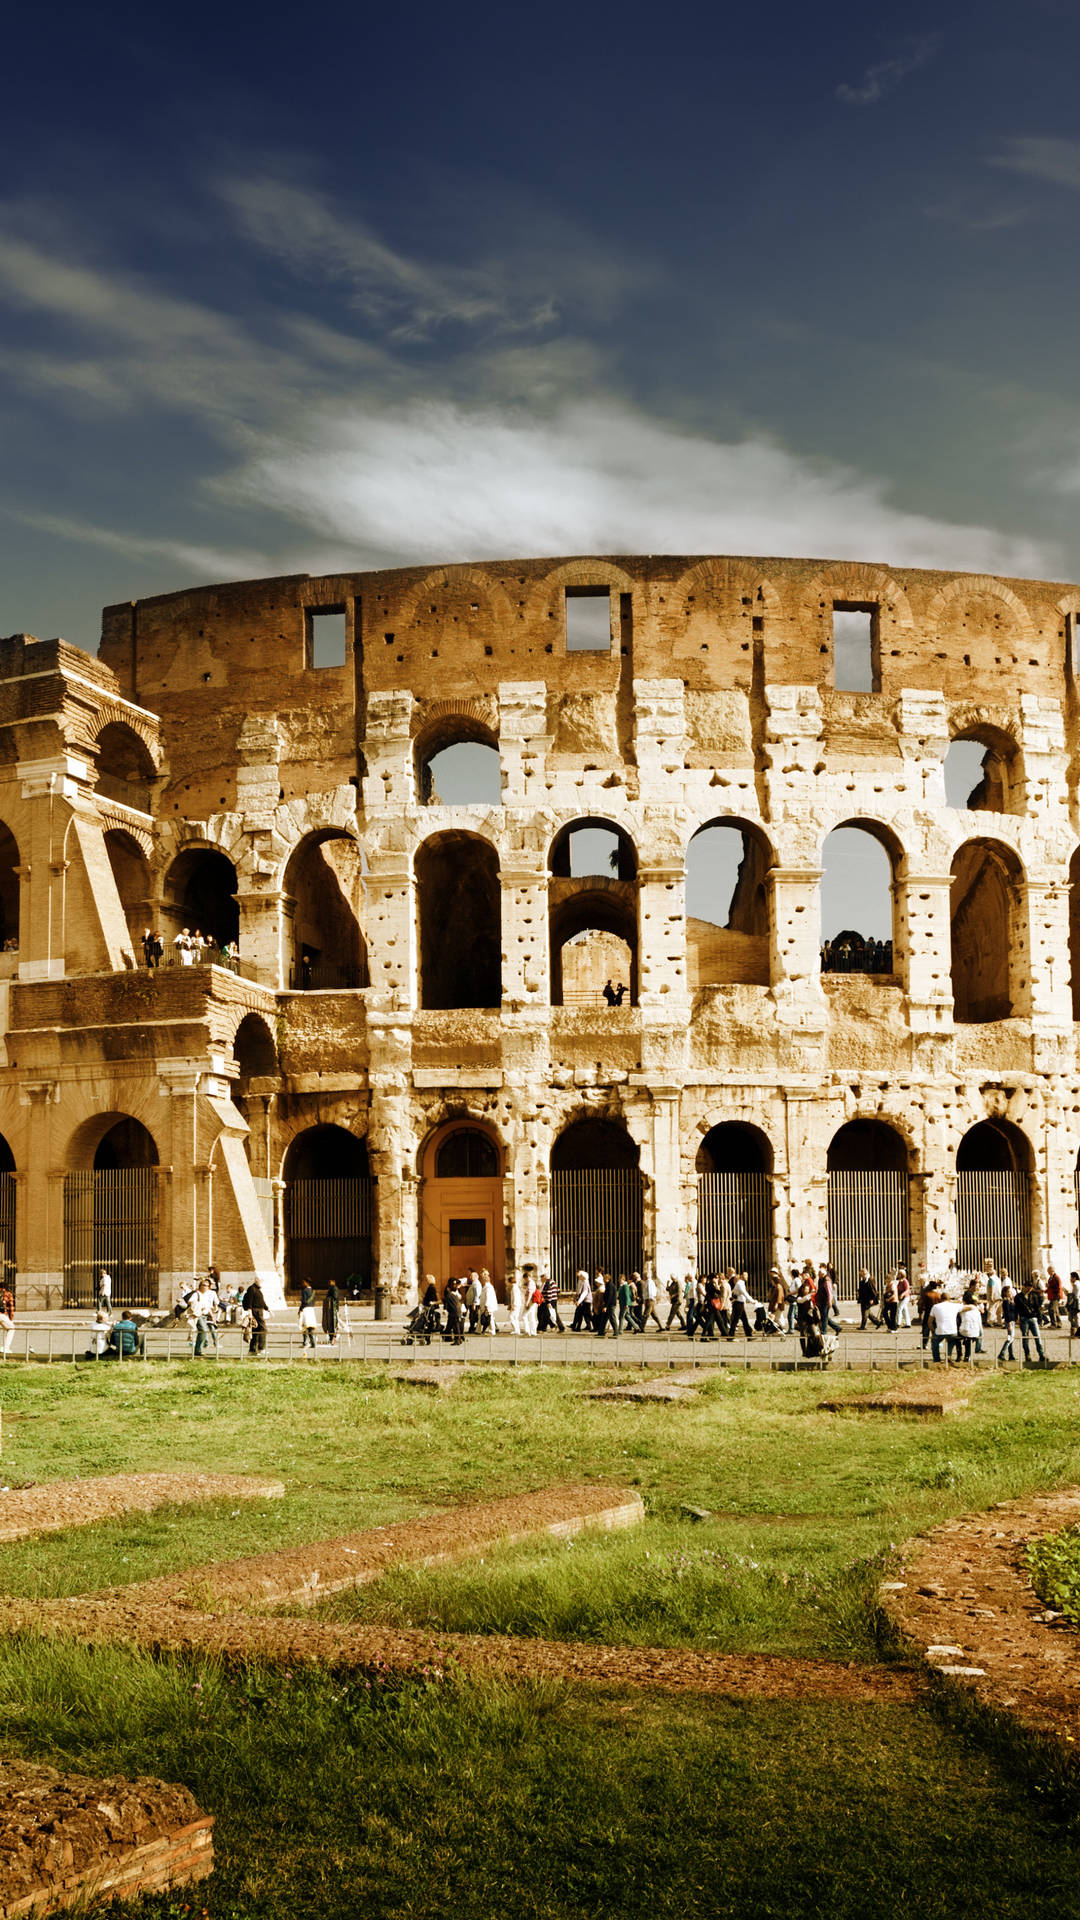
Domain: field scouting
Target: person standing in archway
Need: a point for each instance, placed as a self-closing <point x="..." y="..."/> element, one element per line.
<point x="104" y="1291"/>
<point x="330" y="1309"/>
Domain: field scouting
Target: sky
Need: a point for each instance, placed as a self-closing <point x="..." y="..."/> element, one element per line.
<point x="285" y="291"/>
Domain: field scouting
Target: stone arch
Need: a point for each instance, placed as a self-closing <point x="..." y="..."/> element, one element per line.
<point x="111" y="1141"/>
<point x="328" y="1208"/>
<point x="717" y="601"/>
<point x="126" y="765"/>
<point x="857" y="583"/>
<point x="868" y="1143"/>
<point x="462" y="1200"/>
<point x="468" y="730"/>
<point x="597" y="1198"/>
<point x="734" y="1146"/>
<point x="987" y="932"/>
<point x="111" y="1210"/>
<point x="459" y="914"/>
<point x="131" y="871"/>
<point x="9" y="889"/>
<point x="995" y="1171"/>
<point x="735" y="1204"/>
<point x="856" y="886"/>
<point x="323" y="886"/>
<point x="592" y="916"/>
<point x="199" y="894"/>
<point x="730" y="942"/>
<point x="255" y="1050"/>
<point x="967" y="588"/>
<point x="463" y="599"/>
<point x="998" y="779"/>
<point x="868" y="1167"/>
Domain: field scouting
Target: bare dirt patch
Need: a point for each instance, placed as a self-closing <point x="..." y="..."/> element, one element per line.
<point x="927" y="1395"/>
<point x="52" y="1506"/>
<point x="964" y="1597"/>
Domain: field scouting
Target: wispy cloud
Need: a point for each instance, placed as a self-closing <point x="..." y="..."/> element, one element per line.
<point x="1056" y="161"/>
<point x="208" y="562"/>
<point x="398" y="485"/>
<point x="884" y="76"/>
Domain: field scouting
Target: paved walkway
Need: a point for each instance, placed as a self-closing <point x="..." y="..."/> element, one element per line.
<point x="65" y="1335"/>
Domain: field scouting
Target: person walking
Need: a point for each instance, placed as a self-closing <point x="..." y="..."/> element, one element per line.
<point x="472" y="1299"/>
<point x="674" y="1294"/>
<point x="517" y="1304"/>
<point x="455" y="1316"/>
<point x="970" y="1326"/>
<point x="737" y="1315"/>
<point x="602" y="1305"/>
<point x="489" y="1303"/>
<point x="582" y="1320"/>
<point x="1027" y="1319"/>
<point x="104" y="1291"/>
<point x="866" y="1296"/>
<point x="331" y="1309"/>
<point x="549" y="1287"/>
<point x="7" y="1318"/>
<point x="306" y="1317"/>
<point x="649" y="1312"/>
<point x="254" y="1303"/>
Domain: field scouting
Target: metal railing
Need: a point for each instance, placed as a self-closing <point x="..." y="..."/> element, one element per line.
<point x="993" y="1221"/>
<point x="111" y="1221"/>
<point x="320" y="976"/>
<point x="869" y="1216"/>
<point x="735" y="1224"/>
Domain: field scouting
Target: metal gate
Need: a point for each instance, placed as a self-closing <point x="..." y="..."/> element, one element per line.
<point x="735" y="1224"/>
<point x="111" y="1220"/>
<point x="597" y="1222"/>
<point x="328" y="1231"/>
<point x="7" y="1231"/>
<point x="869" y="1225"/>
<point x="993" y="1221"/>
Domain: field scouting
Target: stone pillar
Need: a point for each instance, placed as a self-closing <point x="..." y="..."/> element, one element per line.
<point x="393" y="959"/>
<point x="809" y="1124"/>
<point x="265" y="919"/>
<point x="923" y="901"/>
<point x="667" y="1184"/>
<point x="386" y="745"/>
<point x="39" y="1220"/>
<point x="524" y="741"/>
<point x="51" y="789"/>
<point x="187" y="1224"/>
<point x="1050" y="973"/>
<point x="526" y="973"/>
<point x="795" y="948"/>
<point x="662" y="938"/>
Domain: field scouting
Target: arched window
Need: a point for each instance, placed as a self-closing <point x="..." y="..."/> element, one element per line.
<point x="727" y="905"/>
<point x="466" y="1154"/>
<point x="987" y="931"/>
<point x="459" y="907"/>
<point x="735" y="1201"/>
<point x="200" y="896"/>
<point x="857" y="905"/>
<point x="593" y="915"/>
<point x="9" y="890"/>
<point x="457" y="763"/>
<point x="254" y="1050"/>
<point x="328" y="1209"/>
<point x="125" y="768"/>
<point x="869" y="1202"/>
<point x="982" y="771"/>
<point x="324" y="888"/>
<point x="131" y="871"/>
<point x="994" y="1168"/>
<point x="597" y="1202"/>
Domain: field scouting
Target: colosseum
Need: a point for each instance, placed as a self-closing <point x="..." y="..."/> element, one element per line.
<point x="426" y="989"/>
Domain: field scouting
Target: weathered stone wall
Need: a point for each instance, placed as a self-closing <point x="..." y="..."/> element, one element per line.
<point x="713" y="702"/>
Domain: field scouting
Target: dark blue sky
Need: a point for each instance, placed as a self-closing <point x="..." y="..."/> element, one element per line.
<point x="304" y="288"/>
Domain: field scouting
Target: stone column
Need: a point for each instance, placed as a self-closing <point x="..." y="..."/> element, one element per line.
<point x="526" y="977"/>
<point x="524" y="741"/>
<point x="386" y="745"/>
<point x="39" y="1220"/>
<point x="662" y="938"/>
<point x="51" y="789"/>
<point x="393" y="959"/>
<point x="667" y="1184"/>
<point x="1050" y="973"/>
<point x="187" y="1225"/>
<point x="923" y="900"/>
<point x="795" y="949"/>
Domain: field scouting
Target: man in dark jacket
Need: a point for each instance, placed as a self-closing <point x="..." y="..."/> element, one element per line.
<point x="254" y="1302"/>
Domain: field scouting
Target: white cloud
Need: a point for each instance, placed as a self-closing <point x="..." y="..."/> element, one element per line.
<point x="448" y="482"/>
<point x="1055" y="161"/>
<point x="208" y="563"/>
<point x="885" y="75"/>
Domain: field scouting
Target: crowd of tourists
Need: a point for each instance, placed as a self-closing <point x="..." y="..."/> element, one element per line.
<point x="953" y="1308"/>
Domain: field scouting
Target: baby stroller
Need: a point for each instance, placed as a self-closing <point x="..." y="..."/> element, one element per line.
<point x="764" y="1323"/>
<point x="423" y="1325"/>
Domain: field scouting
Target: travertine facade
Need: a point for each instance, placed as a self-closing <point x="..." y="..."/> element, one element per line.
<point x="400" y="956"/>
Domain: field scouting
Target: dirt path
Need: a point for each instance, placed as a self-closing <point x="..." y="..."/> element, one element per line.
<point x="58" y="1504"/>
<point x="964" y="1598"/>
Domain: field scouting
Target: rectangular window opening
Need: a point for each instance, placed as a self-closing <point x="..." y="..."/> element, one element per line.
<point x="324" y="637"/>
<point x="468" y="1233"/>
<point x="855" y="647"/>
<point x="588" y="620"/>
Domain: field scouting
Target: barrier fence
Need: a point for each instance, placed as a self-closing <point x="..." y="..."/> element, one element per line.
<point x="597" y="1222"/>
<point x="735" y="1224"/>
<point x="111" y="1220"/>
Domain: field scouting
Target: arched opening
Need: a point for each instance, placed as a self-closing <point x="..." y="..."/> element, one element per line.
<point x="869" y="1202"/>
<point x="727" y="906"/>
<point x="111" y="1212"/>
<point x="253" y="1093"/>
<point x="200" y="896"/>
<point x="981" y="769"/>
<point x="125" y="767"/>
<point x="593" y="915"/>
<point x="1074" y="931"/>
<point x="986" y="928"/>
<point x="597" y="1202"/>
<point x="328" y="1209"/>
<point x="461" y="1204"/>
<point x="857" y="900"/>
<point x="457" y="764"/>
<point x="8" y="1192"/>
<point x="9" y="890"/>
<point x="324" y="889"/>
<point x="131" y="871"/>
<point x="994" y="1169"/>
<point x="459" y="907"/>
<point x="735" y="1201"/>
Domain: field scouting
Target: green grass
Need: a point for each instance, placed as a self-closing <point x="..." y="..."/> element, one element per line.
<point x="1054" y="1565"/>
<point x="335" y="1798"/>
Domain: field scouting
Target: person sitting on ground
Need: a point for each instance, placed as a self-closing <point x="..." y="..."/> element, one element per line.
<point x="100" y="1330"/>
<point x="126" y="1338"/>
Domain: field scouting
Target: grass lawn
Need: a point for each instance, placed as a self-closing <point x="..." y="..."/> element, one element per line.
<point x="331" y="1798"/>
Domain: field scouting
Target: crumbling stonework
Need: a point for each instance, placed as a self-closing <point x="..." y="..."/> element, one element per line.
<point x="401" y="956"/>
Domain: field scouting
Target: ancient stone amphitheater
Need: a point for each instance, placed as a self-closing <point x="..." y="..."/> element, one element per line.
<point x="442" y="1001"/>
